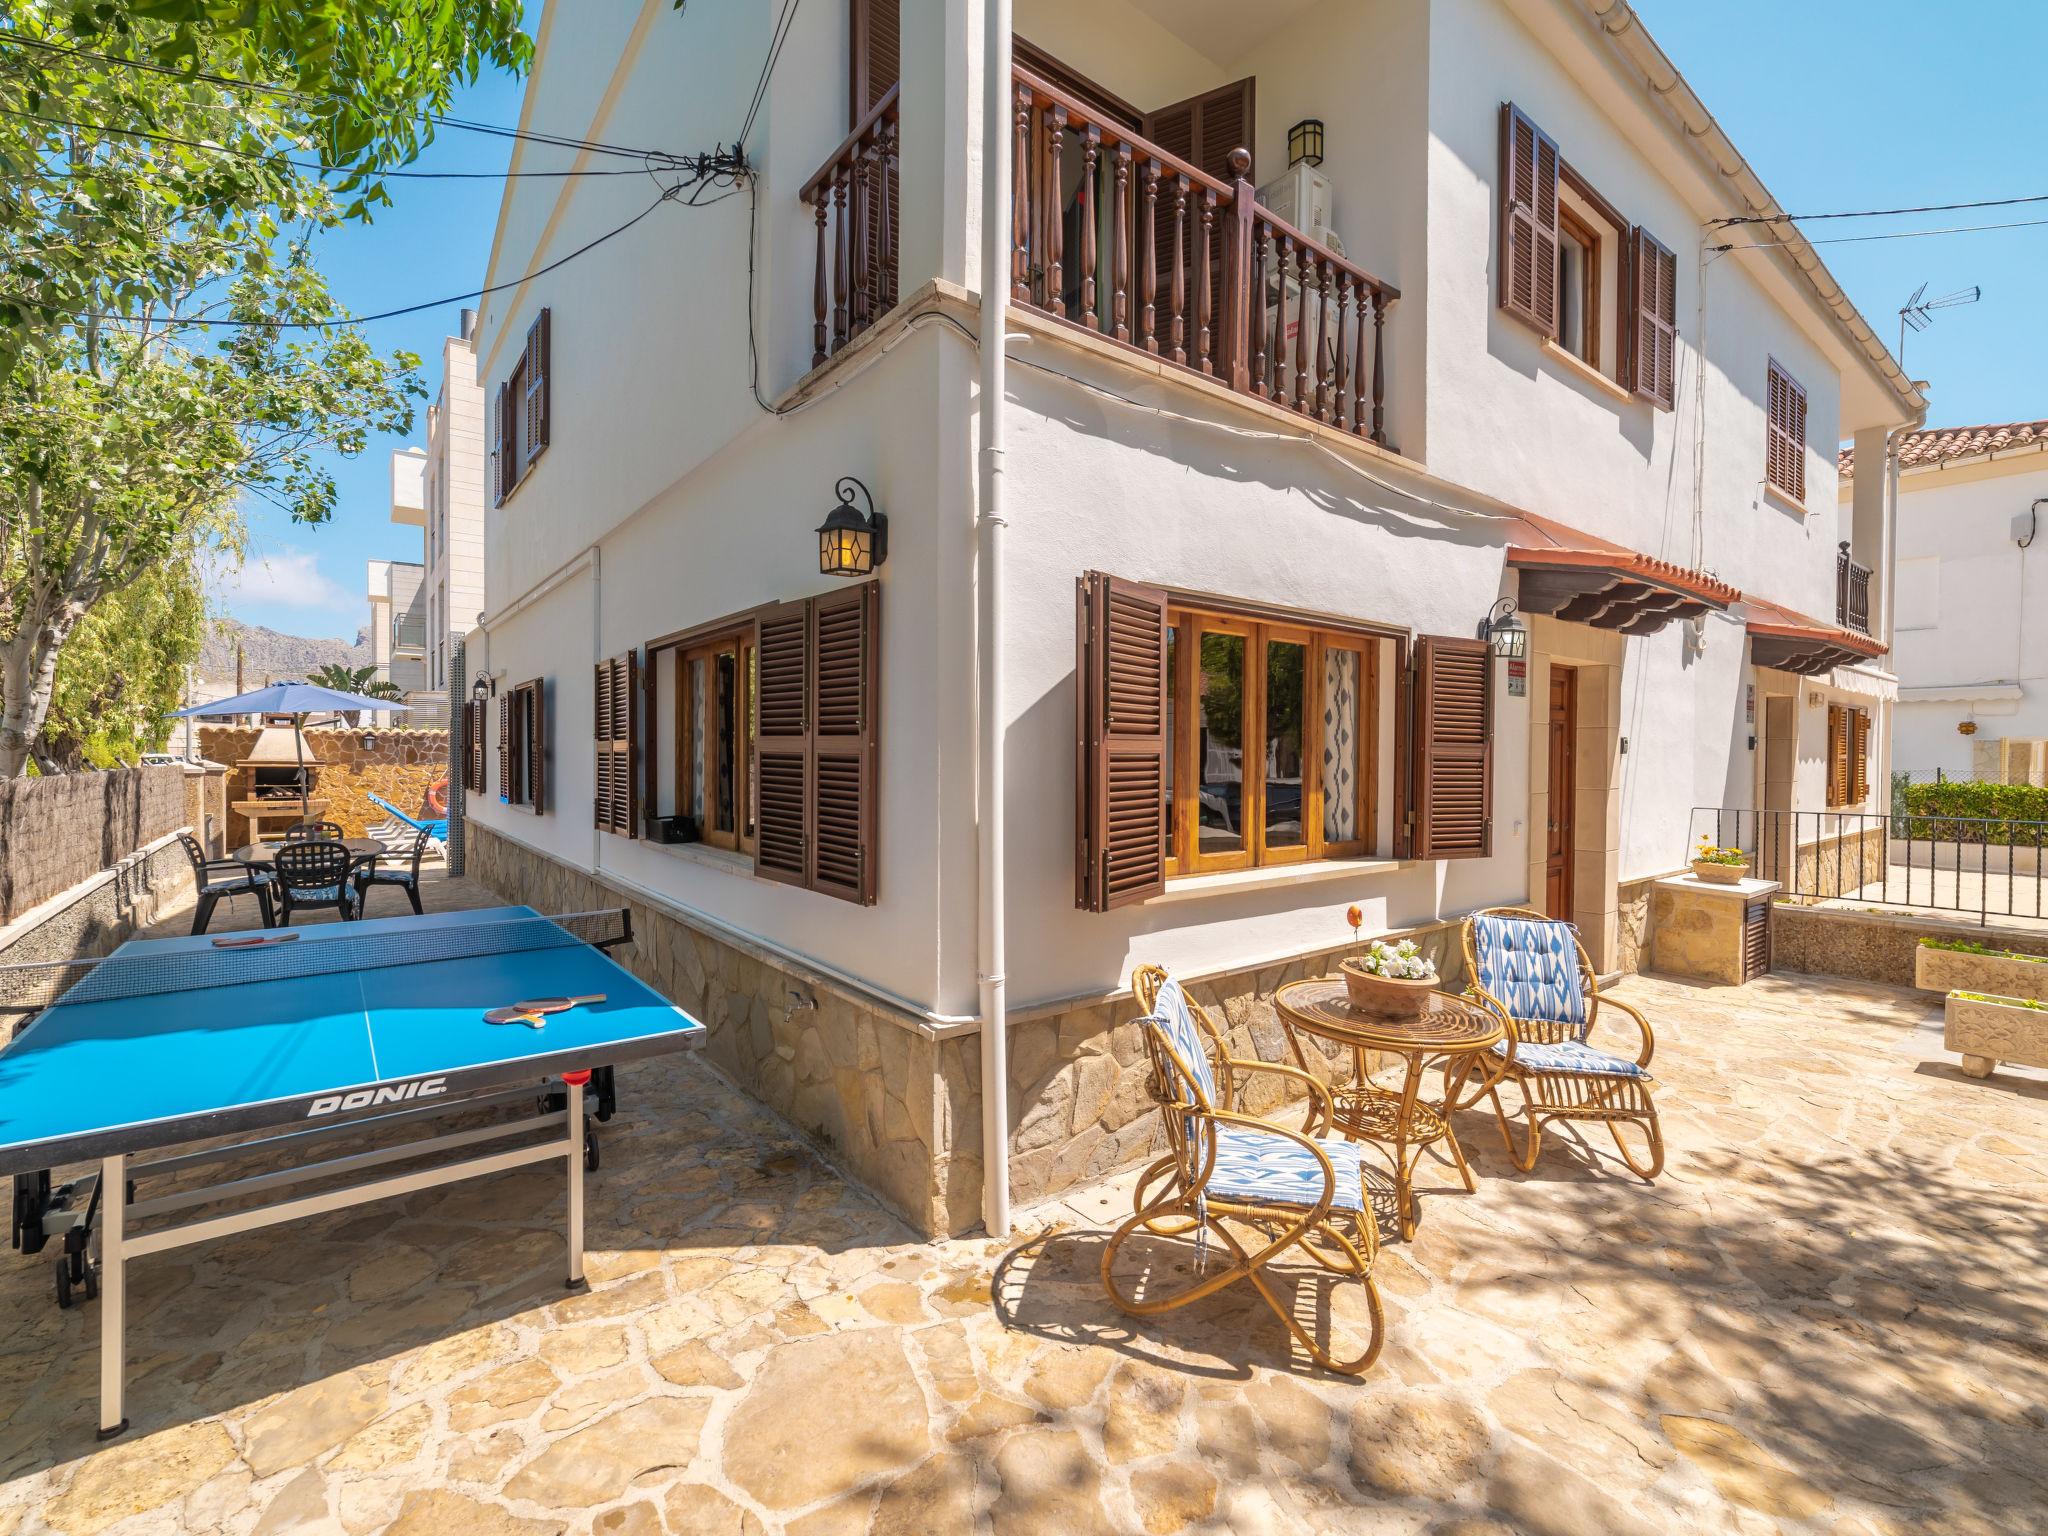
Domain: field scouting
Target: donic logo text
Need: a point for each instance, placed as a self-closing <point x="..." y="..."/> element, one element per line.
<point x="363" y="1098"/>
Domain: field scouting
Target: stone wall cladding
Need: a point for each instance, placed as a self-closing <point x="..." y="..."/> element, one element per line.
<point x="894" y="1107"/>
<point x="1081" y="1104"/>
<point x="401" y="768"/>
<point x="107" y="910"/>
<point x="1875" y="946"/>
<point x="60" y="830"/>
<point x="1633" y="925"/>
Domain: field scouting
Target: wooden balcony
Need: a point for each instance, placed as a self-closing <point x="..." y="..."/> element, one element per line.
<point x="853" y="198"/>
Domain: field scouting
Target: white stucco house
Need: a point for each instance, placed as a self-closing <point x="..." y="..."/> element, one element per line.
<point x="1972" y="602"/>
<point x="1328" y="330"/>
<point x="397" y="629"/>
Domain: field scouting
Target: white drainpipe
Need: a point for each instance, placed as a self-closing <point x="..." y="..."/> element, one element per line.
<point x="990" y="724"/>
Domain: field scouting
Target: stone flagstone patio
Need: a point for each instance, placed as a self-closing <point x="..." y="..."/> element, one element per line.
<point x="1829" y="1316"/>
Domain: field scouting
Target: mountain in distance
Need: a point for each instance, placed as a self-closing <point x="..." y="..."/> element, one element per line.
<point x="268" y="656"/>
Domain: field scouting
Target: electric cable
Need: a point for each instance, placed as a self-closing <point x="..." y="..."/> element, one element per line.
<point x="784" y="20"/>
<point x="1895" y="234"/>
<point x="1877" y="213"/>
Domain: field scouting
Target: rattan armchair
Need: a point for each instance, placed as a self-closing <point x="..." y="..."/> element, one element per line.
<point x="1295" y="1188"/>
<point x="1534" y="972"/>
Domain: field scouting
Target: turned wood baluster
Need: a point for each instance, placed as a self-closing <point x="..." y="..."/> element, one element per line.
<point x="1055" y="225"/>
<point x="1340" y="355"/>
<point x="819" y="336"/>
<point x="1121" y="215"/>
<point x="841" y="249"/>
<point x="1020" y="202"/>
<point x="1358" y="405"/>
<point x="1257" y="304"/>
<point x="862" y="222"/>
<point x="885" y="220"/>
<point x="1324" y="383"/>
<point x="1301" y="342"/>
<point x="1091" y="155"/>
<point x="1204" y="320"/>
<point x="1178" y="301"/>
<point x="1285" y="261"/>
<point x="1148" y="262"/>
<point x="1379" y="368"/>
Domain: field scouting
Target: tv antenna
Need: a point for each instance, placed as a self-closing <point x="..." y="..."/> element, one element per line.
<point x="1918" y="312"/>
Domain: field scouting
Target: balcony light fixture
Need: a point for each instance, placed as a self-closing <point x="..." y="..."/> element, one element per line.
<point x="1508" y="636"/>
<point x="482" y="689"/>
<point x="1305" y="142"/>
<point x="850" y="544"/>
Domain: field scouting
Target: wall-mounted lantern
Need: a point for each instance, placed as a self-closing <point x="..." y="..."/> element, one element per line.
<point x="849" y="543"/>
<point x="1305" y="142"/>
<point x="369" y="741"/>
<point x="1967" y="728"/>
<point x="481" y="690"/>
<point x="1508" y="636"/>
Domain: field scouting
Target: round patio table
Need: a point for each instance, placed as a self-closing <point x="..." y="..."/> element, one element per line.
<point x="359" y="849"/>
<point x="1450" y="1031"/>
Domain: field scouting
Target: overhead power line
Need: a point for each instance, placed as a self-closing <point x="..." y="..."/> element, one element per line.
<point x="230" y="82"/>
<point x="1878" y="213"/>
<point x="784" y="19"/>
<point x="1894" y="234"/>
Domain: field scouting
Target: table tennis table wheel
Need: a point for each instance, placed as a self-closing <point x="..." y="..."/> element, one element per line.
<point x="590" y="1157"/>
<point x="63" y="1281"/>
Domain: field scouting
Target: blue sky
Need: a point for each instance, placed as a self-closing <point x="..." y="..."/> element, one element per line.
<point x="1838" y="104"/>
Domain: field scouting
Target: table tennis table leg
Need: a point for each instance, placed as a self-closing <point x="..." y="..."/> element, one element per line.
<point x="573" y="1116"/>
<point x="113" y="1292"/>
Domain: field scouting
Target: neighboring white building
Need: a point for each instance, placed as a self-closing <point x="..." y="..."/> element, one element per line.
<point x="1972" y="588"/>
<point x="1245" y="558"/>
<point x="398" y="634"/>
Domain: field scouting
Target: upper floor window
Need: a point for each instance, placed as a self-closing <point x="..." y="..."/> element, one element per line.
<point x="1573" y="268"/>
<point x="1784" y="434"/>
<point x="523" y="416"/>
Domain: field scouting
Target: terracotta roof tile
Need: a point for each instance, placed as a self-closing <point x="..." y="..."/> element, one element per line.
<point x="1544" y="542"/>
<point x="1939" y="443"/>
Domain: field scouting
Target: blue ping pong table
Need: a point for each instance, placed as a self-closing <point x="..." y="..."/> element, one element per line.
<point x="347" y="1030"/>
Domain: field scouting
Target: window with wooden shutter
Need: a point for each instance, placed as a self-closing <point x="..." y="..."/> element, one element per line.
<point x="538" y="390"/>
<point x="1121" y="742"/>
<point x="1451" y="739"/>
<point x="1653" y="319"/>
<point x="782" y="743"/>
<point x="1838" y="756"/>
<point x="1859" y="755"/>
<point x="505" y="750"/>
<point x="615" y="731"/>
<point x="843" y="695"/>
<point x="534" y="720"/>
<point x="1528" y="220"/>
<point x="474" y="722"/>
<point x="499" y="484"/>
<point x="1784" y="433"/>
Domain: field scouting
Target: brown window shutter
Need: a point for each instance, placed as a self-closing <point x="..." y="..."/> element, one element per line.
<point x="1202" y="130"/>
<point x="615" y="732"/>
<point x="1859" y="755"/>
<point x="505" y="749"/>
<point x="1756" y="938"/>
<point x="1120" y="682"/>
<point x="538" y="389"/>
<point x="1528" y="220"/>
<point x="498" y="486"/>
<point x="1838" y="756"/>
<point x="877" y="49"/>
<point x="845" y="634"/>
<point x="536" y="745"/>
<point x="480" y="725"/>
<point x="1785" y="432"/>
<point x="782" y="743"/>
<point x="1452" y="777"/>
<point x="1653" y="319"/>
<point x="601" y="738"/>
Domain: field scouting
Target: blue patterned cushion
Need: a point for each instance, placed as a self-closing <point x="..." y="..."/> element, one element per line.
<point x="1172" y="1016"/>
<point x="1570" y="1056"/>
<point x="317" y="893"/>
<point x="1533" y="967"/>
<point x="386" y="877"/>
<point x="1258" y="1165"/>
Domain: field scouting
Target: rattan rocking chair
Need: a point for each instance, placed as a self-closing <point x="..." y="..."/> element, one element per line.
<point x="1534" y="972"/>
<point x="1297" y="1188"/>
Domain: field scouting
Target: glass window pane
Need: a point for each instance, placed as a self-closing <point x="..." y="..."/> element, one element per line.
<point x="727" y="666"/>
<point x="1172" y="710"/>
<point x="1286" y="672"/>
<point x="1221" y="750"/>
<point x="1343" y="673"/>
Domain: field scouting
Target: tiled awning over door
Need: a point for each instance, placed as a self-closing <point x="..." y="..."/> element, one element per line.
<point x="1583" y="579"/>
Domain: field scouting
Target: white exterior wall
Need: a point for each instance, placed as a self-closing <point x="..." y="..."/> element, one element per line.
<point x="1972" y="610"/>
<point x="453" y="493"/>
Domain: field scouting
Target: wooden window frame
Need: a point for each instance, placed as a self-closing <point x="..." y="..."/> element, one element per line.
<point x="739" y="644"/>
<point x="1570" y="224"/>
<point x="1784" y="441"/>
<point x="525" y="747"/>
<point x="1188" y="623"/>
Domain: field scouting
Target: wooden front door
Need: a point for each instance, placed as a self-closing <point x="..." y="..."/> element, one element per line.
<point x="1558" y="838"/>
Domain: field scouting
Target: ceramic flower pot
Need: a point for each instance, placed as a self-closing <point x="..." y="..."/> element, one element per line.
<point x="1720" y="874"/>
<point x="1386" y="997"/>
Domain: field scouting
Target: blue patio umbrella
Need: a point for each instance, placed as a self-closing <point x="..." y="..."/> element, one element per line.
<point x="295" y="699"/>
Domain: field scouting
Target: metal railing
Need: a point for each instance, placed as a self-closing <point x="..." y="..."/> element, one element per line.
<point x="1974" y="866"/>
<point x="1852" y="592"/>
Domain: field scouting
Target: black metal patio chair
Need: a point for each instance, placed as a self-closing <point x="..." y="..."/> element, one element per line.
<point x="313" y="831"/>
<point x="404" y="877"/>
<point x="216" y="878"/>
<point x="313" y="874"/>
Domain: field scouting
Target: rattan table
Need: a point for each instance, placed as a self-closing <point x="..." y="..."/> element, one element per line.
<point x="1451" y="1032"/>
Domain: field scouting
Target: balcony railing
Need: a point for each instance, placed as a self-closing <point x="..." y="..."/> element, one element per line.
<point x="853" y="198"/>
<point x="1852" y="592"/>
<point x="1118" y="236"/>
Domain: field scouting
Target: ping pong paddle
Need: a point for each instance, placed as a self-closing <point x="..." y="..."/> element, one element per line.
<point x="532" y="1012"/>
<point x="249" y="943"/>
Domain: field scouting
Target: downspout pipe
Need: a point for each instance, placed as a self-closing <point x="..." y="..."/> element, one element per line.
<point x="990" y="721"/>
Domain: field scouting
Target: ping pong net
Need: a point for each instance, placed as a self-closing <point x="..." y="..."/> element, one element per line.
<point x="327" y="950"/>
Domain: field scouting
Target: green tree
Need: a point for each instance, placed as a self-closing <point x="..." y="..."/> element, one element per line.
<point x="124" y="672"/>
<point x="346" y="679"/>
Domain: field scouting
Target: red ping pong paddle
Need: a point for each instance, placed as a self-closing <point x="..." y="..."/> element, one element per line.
<point x="532" y="1012"/>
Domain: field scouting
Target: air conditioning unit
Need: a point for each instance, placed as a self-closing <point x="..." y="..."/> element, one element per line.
<point x="1301" y="196"/>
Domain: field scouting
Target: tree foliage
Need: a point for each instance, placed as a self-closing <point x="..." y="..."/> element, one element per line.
<point x="124" y="672"/>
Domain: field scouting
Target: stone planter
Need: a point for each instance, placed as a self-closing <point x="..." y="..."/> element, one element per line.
<point x="2000" y="975"/>
<point x="1988" y="1030"/>
<point x="1720" y="874"/>
<point x="1386" y="997"/>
